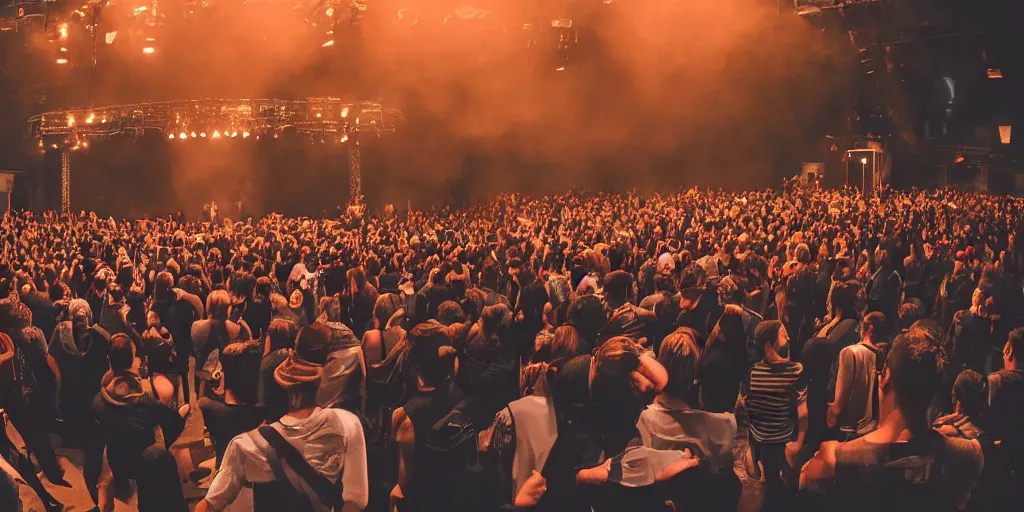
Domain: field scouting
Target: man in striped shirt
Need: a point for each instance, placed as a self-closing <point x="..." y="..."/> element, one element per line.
<point x="776" y="411"/>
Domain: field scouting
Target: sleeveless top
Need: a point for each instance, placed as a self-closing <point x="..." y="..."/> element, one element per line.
<point x="929" y="472"/>
<point x="536" y="428"/>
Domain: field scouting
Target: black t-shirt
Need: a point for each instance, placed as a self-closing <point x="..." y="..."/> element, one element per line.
<point x="257" y="316"/>
<point x="226" y="421"/>
<point x="273" y="399"/>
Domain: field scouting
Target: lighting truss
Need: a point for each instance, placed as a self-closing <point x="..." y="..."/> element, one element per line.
<point x="316" y="117"/>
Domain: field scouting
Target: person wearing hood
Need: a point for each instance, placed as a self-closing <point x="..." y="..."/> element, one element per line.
<point x="79" y="349"/>
<point x="343" y="383"/>
<point x="128" y="417"/>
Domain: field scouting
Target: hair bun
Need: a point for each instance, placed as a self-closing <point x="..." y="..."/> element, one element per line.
<point x="446" y="351"/>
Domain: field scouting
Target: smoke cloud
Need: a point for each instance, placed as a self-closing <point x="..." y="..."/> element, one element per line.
<point x="653" y="94"/>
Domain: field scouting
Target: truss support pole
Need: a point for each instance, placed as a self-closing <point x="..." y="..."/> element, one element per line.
<point x="355" y="173"/>
<point x="65" y="181"/>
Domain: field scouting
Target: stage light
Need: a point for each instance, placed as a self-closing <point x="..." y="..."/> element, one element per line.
<point x="40" y="143"/>
<point x="245" y="135"/>
<point x="90" y="119"/>
<point x="328" y="43"/>
<point x="62" y="60"/>
<point x="234" y="134"/>
<point x="148" y="50"/>
<point x="71" y="120"/>
<point x="216" y="134"/>
<point x="150" y="46"/>
<point x="319" y="115"/>
<point x="63" y="29"/>
<point x="329" y="12"/>
<point x="864" y="161"/>
<point x="344" y="112"/>
<point x="344" y="139"/>
<point x="202" y="134"/>
<point x="561" y="68"/>
<point x="193" y="134"/>
<point x="170" y="136"/>
<point x="54" y="146"/>
<point x="182" y="135"/>
<point x="85" y="144"/>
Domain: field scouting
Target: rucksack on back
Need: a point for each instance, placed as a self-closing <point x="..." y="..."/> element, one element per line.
<point x="457" y="472"/>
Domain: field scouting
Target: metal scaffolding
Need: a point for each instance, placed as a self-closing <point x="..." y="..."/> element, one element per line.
<point x="355" y="172"/>
<point x="65" y="181"/>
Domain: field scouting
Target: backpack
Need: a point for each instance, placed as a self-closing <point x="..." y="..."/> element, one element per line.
<point x="458" y="475"/>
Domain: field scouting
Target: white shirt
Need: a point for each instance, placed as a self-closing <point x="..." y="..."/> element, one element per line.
<point x="332" y="442"/>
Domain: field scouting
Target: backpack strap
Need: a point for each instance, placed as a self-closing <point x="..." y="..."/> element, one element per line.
<point x="275" y="464"/>
<point x="328" y="493"/>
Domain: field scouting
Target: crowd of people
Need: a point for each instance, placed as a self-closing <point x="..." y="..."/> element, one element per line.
<point x="799" y="349"/>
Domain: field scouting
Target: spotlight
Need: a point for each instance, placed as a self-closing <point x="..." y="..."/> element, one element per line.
<point x="71" y="120"/>
<point x="90" y="119"/>
<point x="171" y="136"/>
<point x="148" y="50"/>
<point x="319" y="115"/>
<point x="149" y="47"/>
<point x="245" y="135"/>
<point x="62" y="61"/>
<point x="193" y="134"/>
<point x="234" y="134"/>
<point x="85" y="144"/>
<point x="344" y="139"/>
<point x="63" y="29"/>
<point x="344" y="112"/>
<point x="216" y="134"/>
<point x="182" y="135"/>
<point x="202" y="134"/>
<point x="328" y="43"/>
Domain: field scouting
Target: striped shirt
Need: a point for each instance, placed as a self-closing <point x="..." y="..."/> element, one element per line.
<point x="775" y="391"/>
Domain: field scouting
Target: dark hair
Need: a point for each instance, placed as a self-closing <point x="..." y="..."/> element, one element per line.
<point x="242" y="284"/>
<point x="495" y="319"/>
<point x="282" y="334"/>
<point x="612" y="384"/>
<point x="766" y="332"/>
<point x="617" y="284"/>
<point x="240" y="363"/>
<point x="431" y="352"/>
<point x="663" y="283"/>
<point x="970" y="390"/>
<point x="448" y="313"/>
<point x="158" y="347"/>
<point x="844" y="296"/>
<point x="876" y="321"/>
<point x="162" y="285"/>
<point x="681" y="358"/>
<point x="120" y="353"/>
<point x="313" y="343"/>
<point x="910" y="312"/>
<point x="915" y="367"/>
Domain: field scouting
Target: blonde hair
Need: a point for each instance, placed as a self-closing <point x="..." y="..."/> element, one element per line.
<point x="218" y="304"/>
